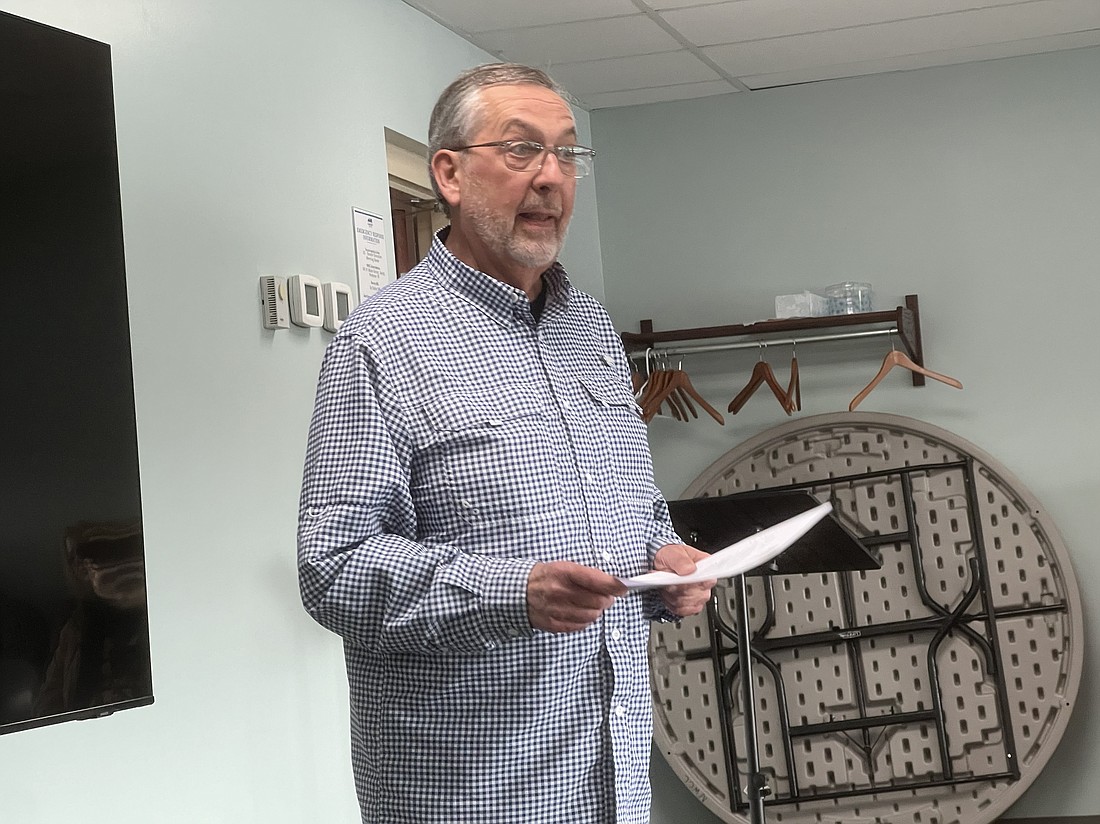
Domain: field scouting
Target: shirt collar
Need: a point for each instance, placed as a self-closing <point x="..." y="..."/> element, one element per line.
<point x="496" y="297"/>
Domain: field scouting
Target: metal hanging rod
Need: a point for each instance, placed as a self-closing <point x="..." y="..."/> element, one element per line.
<point x="757" y="344"/>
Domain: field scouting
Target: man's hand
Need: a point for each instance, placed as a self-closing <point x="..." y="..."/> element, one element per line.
<point x="567" y="597"/>
<point x="684" y="599"/>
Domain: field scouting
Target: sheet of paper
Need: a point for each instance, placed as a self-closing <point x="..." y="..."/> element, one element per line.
<point x="370" y="252"/>
<point x="739" y="557"/>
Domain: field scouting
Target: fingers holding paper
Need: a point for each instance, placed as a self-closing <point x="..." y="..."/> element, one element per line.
<point x="738" y="558"/>
<point x="567" y="597"/>
<point x="683" y="599"/>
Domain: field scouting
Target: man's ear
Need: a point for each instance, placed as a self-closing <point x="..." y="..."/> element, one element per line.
<point x="446" y="173"/>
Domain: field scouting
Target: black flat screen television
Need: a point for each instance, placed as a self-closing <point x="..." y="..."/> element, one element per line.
<point x="74" y="630"/>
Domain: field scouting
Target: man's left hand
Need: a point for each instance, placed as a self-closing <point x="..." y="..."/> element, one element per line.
<point x="683" y="599"/>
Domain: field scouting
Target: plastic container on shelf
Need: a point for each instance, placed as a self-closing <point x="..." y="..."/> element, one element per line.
<point x="804" y="305"/>
<point x="848" y="298"/>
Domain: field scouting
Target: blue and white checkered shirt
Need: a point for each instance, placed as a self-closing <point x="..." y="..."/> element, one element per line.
<point x="456" y="442"/>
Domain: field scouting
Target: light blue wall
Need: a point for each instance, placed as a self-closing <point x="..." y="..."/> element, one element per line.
<point x="247" y="132"/>
<point x="976" y="187"/>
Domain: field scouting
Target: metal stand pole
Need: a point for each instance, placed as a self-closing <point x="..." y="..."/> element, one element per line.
<point x="757" y="781"/>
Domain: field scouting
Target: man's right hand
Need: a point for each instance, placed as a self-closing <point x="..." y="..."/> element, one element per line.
<point x="567" y="597"/>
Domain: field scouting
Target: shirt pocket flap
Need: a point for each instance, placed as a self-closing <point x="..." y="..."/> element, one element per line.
<point x="485" y="410"/>
<point x="610" y="393"/>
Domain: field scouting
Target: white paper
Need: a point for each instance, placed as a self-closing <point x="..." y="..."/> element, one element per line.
<point x="370" y="252"/>
<point x="746" y="554"/>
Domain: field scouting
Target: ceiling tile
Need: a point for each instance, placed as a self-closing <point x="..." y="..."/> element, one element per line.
<point x="734" y="22"/>
<point x="661" y="94"/>
<point x="609" y="54"/>
<point x="908" y="37"/>
<point x="991" y="51"/>
<point x="548" y="46"/>
<point x="661" y="5"/>
<point x="640" y="72"/>
<point x="475" y="16"/>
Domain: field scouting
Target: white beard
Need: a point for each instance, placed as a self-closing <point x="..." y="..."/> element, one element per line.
<point x="500" y="234"/>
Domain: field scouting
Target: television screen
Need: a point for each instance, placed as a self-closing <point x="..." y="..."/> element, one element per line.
<point x="74" y="636"/>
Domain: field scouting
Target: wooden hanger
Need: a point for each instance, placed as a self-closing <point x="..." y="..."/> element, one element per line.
<point x="658" y="391"/>
<point x="761" y="374"/>
<point x="681" y="397"/>
<point x="794" y="388"/>
<point x="674" y="388"/>
<point x="671" y="396"/>
<point x="679" y="403"/>
<point x="653" y="393"/>
<point x="687" y="393"/>
<point x="895" y="358"/>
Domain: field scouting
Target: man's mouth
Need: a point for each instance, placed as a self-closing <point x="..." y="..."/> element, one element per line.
<point x="539" y="218"/>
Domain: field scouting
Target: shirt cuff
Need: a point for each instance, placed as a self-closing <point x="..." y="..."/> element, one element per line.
<point x="654" y="609"/>
<point x="500" y="586"/>
<point x="506" y="600"/>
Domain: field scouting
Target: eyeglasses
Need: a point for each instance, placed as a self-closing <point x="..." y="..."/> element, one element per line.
<point x="520" y="156"/>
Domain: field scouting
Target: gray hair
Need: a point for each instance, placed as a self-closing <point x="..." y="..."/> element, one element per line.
<point x="457" y="112"/>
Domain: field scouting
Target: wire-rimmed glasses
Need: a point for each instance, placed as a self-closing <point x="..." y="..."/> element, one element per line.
<point x="527" y="155"/>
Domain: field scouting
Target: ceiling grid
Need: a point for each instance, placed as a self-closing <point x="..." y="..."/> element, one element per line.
<point x="612" y="53"/>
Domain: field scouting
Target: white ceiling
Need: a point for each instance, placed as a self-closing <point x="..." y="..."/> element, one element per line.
<point x="626" y="52"/>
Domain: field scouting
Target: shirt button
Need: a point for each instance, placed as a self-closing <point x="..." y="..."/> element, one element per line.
<point x="590" y="479"/>
<point x="607" y="555"/>
<point x="620" y="710"/>
<point x="616" y="635"/>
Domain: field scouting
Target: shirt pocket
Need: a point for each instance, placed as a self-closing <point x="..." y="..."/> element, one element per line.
<point x="610" y="393"/>
<point x="492" y="455"/>
<point x="621" y="435"/>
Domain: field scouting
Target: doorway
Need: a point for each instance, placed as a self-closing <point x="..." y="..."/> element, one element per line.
<point x="414" y="209"/>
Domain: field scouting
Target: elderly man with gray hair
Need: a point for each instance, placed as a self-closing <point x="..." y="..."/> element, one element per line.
<point x="477" y="483"/>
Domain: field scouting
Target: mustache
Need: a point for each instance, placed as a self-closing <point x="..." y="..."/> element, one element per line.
<point x="548" y="206"/>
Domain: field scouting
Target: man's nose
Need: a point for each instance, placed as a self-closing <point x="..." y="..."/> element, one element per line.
<point x="550" y="172"/>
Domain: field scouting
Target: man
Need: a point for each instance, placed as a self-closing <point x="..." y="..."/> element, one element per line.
<point x="477" y="481"/>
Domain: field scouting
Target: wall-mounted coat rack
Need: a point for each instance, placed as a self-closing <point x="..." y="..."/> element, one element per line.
<point x="904" y="321"/>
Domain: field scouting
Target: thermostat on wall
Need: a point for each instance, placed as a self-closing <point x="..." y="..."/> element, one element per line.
<point x="306" y="300"/>
<point x="337" y="304"/>
<point x="273" y="302"/>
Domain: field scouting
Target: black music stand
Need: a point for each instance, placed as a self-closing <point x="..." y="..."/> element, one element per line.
<point x="711" y="524"/>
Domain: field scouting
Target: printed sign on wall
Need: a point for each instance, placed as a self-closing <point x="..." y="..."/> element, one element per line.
<point x="370" y="252"/>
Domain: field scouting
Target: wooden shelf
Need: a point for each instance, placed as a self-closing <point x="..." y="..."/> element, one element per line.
<point x="906" y="319"/>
